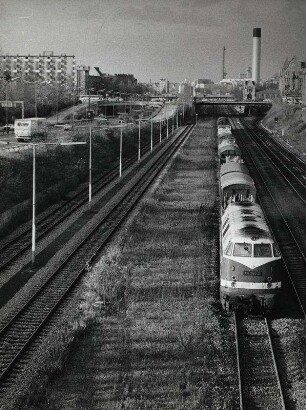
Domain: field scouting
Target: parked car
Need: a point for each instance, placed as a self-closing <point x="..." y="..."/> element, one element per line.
<point x="7" y="128"/>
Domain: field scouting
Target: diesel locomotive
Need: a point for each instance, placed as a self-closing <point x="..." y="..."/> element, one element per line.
<point x="250" y="261"/>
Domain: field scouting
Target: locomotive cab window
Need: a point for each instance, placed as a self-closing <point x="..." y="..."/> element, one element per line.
<point x="262" y="250"/>
<point x="276" y="251"/>
<point x="229" y="248"/>
<point x="242" y="249"/>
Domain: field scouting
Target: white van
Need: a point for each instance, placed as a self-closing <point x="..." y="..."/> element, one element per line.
<point x="26" y="128"/>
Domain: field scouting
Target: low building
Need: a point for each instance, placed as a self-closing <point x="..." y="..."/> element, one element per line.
<point x="268" y="94"/>
<point x="161" y="86"/>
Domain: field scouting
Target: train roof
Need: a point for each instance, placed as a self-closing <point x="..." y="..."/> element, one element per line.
<point x="236" y="178"/>
<point x="224" y="133"/>
<point x="247" y="223"/>
<point x="232" y="166"/>
<point x="223" y="121"/>
<point x="228" y="146"/>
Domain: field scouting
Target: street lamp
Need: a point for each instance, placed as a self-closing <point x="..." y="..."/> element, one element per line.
<point x="196" y="119"/>
<point x="89" y="185"/>
<point x="172" y="124"/>
<point x="151" y="135"/>
<point x="139" y="138"/>
<point x="34" y="189"/>
<point x="57" y="102"/>
<point x="120" y="153"/>
<point x="167" y="123"/>
<point x="160" y="129"/>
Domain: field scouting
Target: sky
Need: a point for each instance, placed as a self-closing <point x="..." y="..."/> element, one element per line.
<point x="153" y="39"/>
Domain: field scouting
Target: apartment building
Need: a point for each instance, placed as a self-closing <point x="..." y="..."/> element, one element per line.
<point x="44" y="67"/>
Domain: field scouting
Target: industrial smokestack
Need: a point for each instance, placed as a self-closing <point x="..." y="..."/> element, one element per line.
<point x="256" y="54"/>
<point x="223" y="63"/>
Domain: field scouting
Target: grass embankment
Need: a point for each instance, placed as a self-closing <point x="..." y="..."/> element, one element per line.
<point x="60" y="169"/>
<point x="287" y="117"/>
<point x="160" y="341"/>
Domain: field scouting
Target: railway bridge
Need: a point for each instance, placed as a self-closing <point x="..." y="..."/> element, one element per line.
<point x="225" y="106"/>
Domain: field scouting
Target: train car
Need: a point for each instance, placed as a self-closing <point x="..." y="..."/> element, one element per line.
<point x="236" y="185"/>
<point x="250" y="261"/>
<point x="223" y="126"/>
<point x="228" y="136"/>
<point x="228" y="151"/>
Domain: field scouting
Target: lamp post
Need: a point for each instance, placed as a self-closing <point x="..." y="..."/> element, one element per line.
<point x="34" y="190"/>
<point x="139" y="121"/>
<point x="167" y="123"/>
<point x="196" y="119"/>
<point x="120" y="153"/>
<point x="151" y="135"/>
<point x="139" y="138"/>
<point x="172" y="124"/>
<point x="160" y="129"/>
<point x="57" y="102"/>
<point x="89" y="185"/>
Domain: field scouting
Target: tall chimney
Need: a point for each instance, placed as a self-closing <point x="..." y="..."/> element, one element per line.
<point x="256" y="55"/>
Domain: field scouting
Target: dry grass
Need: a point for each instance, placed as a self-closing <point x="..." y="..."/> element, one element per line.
<point x="156" y="339"/>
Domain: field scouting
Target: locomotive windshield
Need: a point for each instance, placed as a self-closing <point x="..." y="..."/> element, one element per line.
<point x="262" y="250"/>
<point x="276" y="251"/>
<point x="242" y="249"/>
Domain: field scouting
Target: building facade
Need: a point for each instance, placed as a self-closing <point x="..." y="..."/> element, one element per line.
<point x="82" y="74"/>
<point x="249" y="90"/>
<point x="43" y="67"/>
<point x="291" y="78"/>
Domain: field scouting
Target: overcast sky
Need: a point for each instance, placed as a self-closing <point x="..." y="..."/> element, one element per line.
<point x="153" y="39"/>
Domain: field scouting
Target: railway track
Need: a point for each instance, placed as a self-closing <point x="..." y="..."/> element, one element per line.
<point x="286" y="222"/>
<point x="292" y="168"/>
<point x="259" y="380"/>
<point x="22" y="335"/>
<point x="18" y="244"/>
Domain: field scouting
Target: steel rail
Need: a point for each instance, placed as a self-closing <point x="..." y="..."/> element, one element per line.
<point x="258" y="372"/>
<point x="122" y="208"/>
<point x="284" y="165"/>
<point x="287" y="255"/>
<point x="19" y="244"/>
